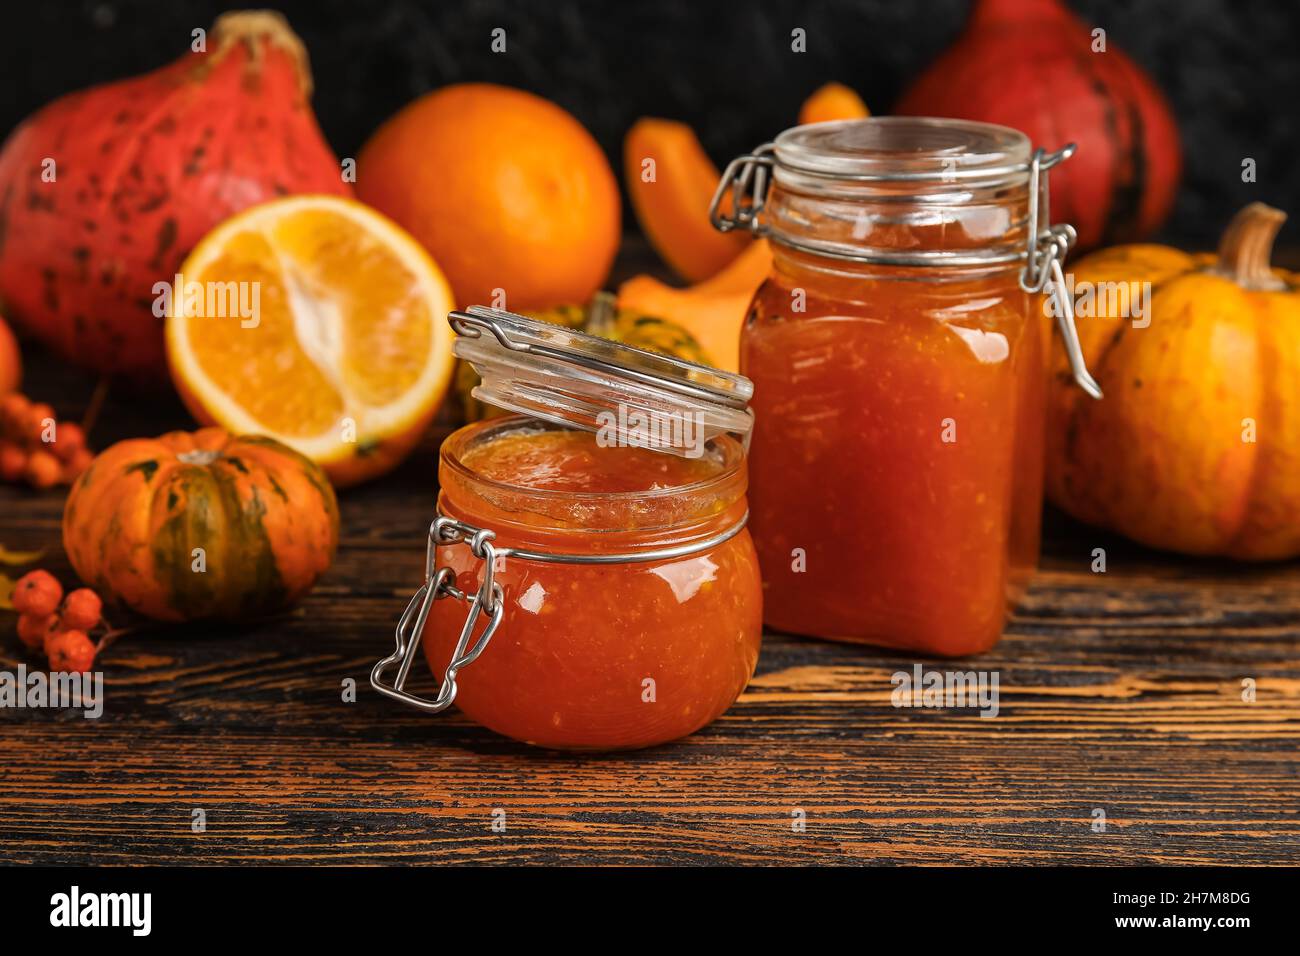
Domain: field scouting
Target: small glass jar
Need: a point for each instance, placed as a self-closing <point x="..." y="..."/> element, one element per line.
<point x="606" y="563"/>
<point x="897" y="352"/>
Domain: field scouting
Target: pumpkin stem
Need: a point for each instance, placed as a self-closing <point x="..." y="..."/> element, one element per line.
<point x="250" y="27"/>
<point x="199" y="456"/>
<point x="1247" y="247"/>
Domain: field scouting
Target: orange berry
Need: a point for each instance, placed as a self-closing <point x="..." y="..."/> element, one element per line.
<point x="68" y="440"/>
<point x="39" y="415"/>
<point x="43" y="469"/>
<point x="13" y="413"/>
<point x="80" y="462"/>
<point x="33" y="628"/>
<point x="81" y="610"/>
<point x="13" y="462"/>
<point x="37" y="593"/>
<point x="52" y="630"/>
<point x="70" y="651"/>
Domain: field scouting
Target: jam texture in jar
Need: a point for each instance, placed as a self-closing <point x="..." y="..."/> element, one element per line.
<point x="897" y="463"/>
<point x="599" y="656"/>
<point x="897" y="352"/>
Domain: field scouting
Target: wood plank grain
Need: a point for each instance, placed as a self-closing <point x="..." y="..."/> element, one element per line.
<point x="1119" y="691"/>
<point x="251" y="728"/>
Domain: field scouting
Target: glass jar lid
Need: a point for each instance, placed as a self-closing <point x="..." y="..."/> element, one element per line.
<point x="625" y="395"/>
<point x="827" y="189"/>
<point x="902" y="149"/>
<point x="860" y="191"/>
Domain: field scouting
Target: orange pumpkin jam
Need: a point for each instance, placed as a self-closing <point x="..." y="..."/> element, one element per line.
<point x="558" y="460"/>
<point x="609" y="656"/>
<point x="896" y="476"/>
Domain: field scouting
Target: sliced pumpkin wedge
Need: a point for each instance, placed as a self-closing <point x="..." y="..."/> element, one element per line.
<point x="834" y="101"/>
<point x="671" y="181"/>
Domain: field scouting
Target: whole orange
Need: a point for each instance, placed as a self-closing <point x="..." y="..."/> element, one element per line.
<point x="506" y="190"/>
<point x="11" y="363"/>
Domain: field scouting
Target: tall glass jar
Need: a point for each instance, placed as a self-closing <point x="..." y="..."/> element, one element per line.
<point x="897" y="353"/>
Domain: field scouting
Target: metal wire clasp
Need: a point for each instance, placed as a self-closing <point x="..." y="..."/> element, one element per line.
<point x="749" y="177"/>
<point x="746" y="175"/>
<point x="1047" y="247"/>
<point x="490" y="599"/>
<point x="438" y="584"/>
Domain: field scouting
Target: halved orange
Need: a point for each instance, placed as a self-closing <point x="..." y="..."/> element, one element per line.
<point x="319" y="322"/>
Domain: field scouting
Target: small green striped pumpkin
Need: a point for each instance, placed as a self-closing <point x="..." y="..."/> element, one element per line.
<point x="201" y="524"/>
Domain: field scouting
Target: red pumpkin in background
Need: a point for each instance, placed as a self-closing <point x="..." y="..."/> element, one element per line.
<point x="1030" y="65"/>
<point x="104" y="191"/>
<point x="11" y="361"/>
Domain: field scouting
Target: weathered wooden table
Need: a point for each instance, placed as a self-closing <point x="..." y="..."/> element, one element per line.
<point x="1121" y="692"/>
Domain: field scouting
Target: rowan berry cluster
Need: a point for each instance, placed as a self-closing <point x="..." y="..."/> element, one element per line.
<point x="35" y="447"/>
<point x="57" y="626"/>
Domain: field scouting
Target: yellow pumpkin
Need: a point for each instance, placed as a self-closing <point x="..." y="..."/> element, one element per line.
<point x="1196" y="445"/>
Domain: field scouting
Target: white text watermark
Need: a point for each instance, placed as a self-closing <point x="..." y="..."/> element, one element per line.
<point x="634" y="428"/>
<point x="922" y="688"/>
<point x="75" y="908"/>
<point x="37" y="689"/>
<point x="1114" y="300"/>
<point x="209" y="300"/>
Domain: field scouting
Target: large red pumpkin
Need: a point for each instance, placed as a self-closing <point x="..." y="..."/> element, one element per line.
<point x="1031" y="65"/>
<point x="104" y="191"/>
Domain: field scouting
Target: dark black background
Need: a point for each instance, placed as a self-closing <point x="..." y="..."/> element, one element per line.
<point x="1230" y="67"/>
<point x="328" y="906"/>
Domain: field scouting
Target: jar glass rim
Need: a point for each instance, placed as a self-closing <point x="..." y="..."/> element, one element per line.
<point x="459" y="441"/>
<point x="905" y="148"/>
